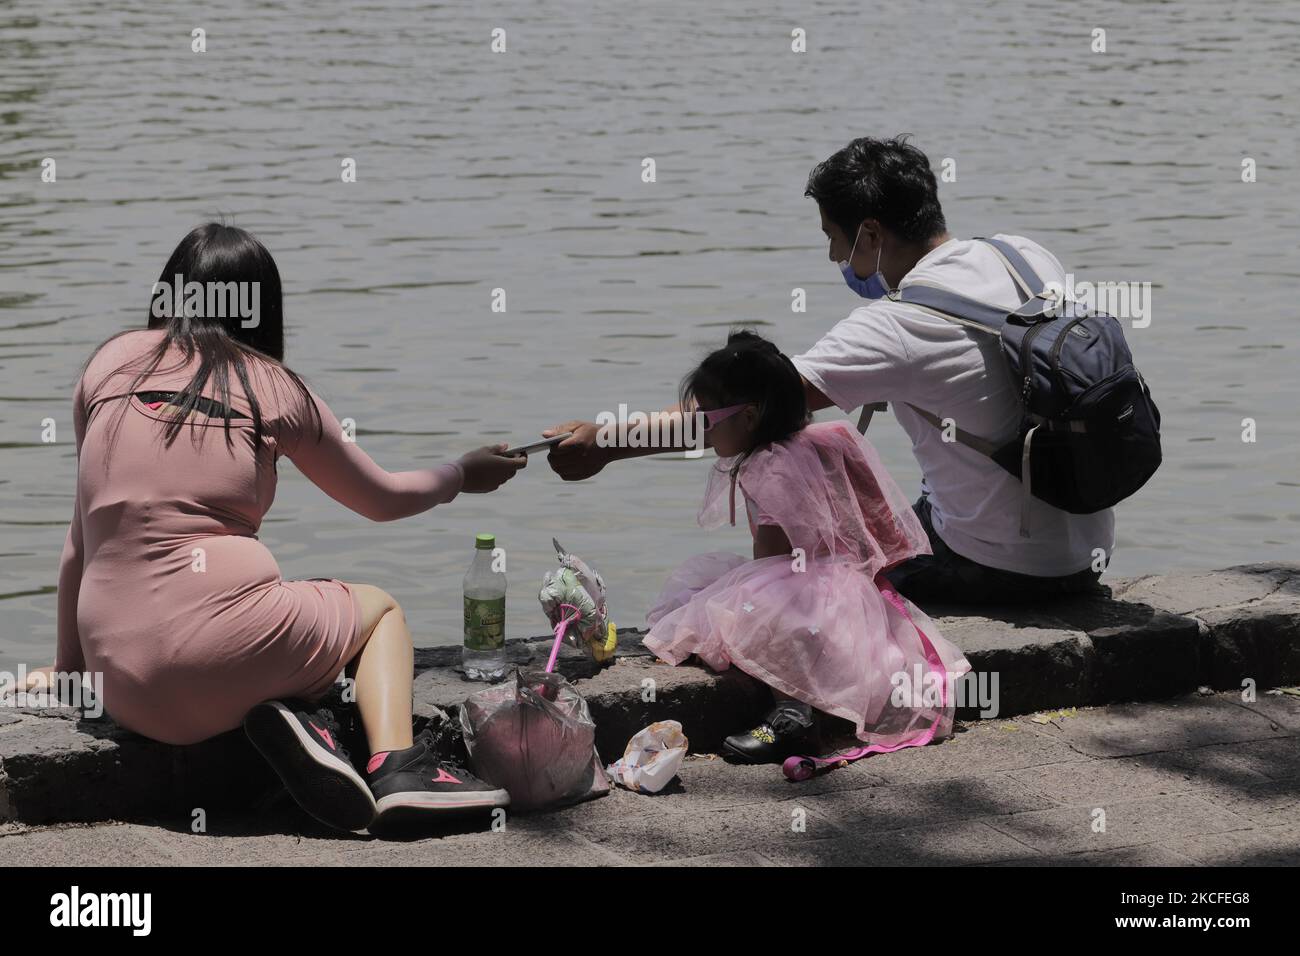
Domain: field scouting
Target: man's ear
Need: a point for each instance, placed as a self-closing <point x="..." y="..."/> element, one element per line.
<point x="872" y="232"/>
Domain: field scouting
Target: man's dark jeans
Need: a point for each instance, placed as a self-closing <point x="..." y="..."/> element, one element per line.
<point x="947" y="577"/>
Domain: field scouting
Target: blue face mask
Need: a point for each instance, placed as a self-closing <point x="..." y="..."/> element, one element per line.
<point x="873" y="286"/>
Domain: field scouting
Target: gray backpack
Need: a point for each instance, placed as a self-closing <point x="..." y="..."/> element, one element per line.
<point x="1089" y="432"/>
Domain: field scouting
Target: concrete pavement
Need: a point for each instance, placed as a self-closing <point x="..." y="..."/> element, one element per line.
<point x="1148" y="638"/>
<point x="1196" y="780"/>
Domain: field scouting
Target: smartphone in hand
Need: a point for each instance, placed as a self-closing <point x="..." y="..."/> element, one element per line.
<point x="536" y="446"/>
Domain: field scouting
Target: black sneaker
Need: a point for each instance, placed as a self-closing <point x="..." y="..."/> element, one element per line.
<point x="787" y="731"/>
<point x="414" y="783"/>
<point x="302" y="746"/>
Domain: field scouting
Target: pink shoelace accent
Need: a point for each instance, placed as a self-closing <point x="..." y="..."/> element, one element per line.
<point x="325" y="734"/>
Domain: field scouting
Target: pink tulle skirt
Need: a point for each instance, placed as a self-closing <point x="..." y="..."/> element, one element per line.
<point x="823" y="634"/>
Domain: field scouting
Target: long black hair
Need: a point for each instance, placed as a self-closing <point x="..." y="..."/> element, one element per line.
<point x="218" y="253"/>
<point x="749" y="368"/>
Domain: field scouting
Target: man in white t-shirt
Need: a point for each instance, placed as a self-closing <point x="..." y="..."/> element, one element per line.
<point x="881" y="214"/>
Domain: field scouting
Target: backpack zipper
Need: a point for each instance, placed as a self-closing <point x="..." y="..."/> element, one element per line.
<point x="1096" y="386"/>
<point x="1026" y="364"/>
<point x="1055" y="358"/>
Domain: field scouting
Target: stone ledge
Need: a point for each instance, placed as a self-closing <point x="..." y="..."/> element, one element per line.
<point x="1148" y="638"/>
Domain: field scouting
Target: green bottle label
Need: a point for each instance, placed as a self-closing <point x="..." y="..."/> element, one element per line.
<point x="485" y="623"/>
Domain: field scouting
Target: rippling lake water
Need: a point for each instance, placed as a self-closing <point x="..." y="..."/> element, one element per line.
<point x="522" y="170"/>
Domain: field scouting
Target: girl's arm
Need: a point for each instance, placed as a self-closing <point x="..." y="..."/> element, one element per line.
<point x="351" y="477"/>
<point x="770" y="541"/>
<point x="68" y="657"/>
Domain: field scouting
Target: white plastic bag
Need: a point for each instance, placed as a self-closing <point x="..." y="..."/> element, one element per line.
<point x="652" y="758"/>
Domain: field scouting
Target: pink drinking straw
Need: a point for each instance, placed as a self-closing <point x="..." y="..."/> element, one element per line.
<point x="559" y="634"/>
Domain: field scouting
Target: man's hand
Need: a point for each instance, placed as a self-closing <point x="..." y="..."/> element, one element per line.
<point x="578" y="456"/>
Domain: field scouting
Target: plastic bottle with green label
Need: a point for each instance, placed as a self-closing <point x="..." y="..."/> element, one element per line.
<point x="484" y="654"/>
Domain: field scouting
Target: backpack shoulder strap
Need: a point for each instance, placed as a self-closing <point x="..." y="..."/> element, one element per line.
<point x="953" y="307"/>
<point x="1026" y="278"/>
<point x="981" y="445"/>
<point x="974" y="442"/>
<point x="1035" y="301"/>
<point x="864" y="417"/>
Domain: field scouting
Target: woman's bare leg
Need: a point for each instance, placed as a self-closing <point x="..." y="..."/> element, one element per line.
<point x="383" y="670"/>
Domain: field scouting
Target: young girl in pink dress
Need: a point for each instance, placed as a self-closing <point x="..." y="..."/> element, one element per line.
<point x="811" y="615"/>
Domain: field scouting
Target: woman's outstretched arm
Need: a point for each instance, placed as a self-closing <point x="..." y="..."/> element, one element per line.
<point x="351" y="477"/>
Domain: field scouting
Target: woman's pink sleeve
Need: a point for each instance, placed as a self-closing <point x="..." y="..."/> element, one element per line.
<point x="68" y="657"/>
<point x="351" y="477"/>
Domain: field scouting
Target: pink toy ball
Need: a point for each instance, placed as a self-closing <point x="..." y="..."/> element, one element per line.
<point x="798" y="769"/>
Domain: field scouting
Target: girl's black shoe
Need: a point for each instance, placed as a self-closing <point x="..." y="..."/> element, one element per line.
<point x="787" y="731"/>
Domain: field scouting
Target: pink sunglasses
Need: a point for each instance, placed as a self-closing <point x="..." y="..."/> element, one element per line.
<point x="711" y="418"/>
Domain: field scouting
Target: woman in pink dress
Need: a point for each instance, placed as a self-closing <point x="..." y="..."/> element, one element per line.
<point x="811" y="615"/>
<point x="165" y="590"/>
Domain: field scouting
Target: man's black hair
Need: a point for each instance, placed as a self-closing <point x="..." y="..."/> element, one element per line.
<point x="888" y="180"/>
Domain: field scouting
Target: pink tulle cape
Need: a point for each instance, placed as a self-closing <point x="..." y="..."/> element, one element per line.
<point x="814" y="624"/>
